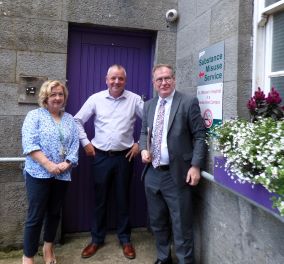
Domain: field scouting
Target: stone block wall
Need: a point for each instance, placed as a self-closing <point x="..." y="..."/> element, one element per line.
<point x="228" y="229"/>
<point x="33" y="42"/>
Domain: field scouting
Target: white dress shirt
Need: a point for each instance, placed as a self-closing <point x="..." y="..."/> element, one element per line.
<point x="114" y="119"/>
<point x="164" y="145"/>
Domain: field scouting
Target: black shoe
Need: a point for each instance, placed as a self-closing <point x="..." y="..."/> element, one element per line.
<point x="168" y="261"/>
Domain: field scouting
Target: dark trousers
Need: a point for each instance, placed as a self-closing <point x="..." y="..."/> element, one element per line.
<point x="108" y="169"/>
<point x="170" y="213"/>
<point x="45" y="200"/>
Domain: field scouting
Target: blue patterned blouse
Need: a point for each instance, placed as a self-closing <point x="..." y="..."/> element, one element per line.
<point x="41" y="132"/>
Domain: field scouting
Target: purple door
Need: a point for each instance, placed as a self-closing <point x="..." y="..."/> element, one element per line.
<point x="90" y="53"/>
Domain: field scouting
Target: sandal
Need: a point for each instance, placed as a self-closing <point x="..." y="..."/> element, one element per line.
<point x="27" y="260"/>
<point x="50" y="261"/>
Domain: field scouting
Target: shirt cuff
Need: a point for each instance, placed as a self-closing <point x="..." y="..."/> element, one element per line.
<point x="85" y="142"/>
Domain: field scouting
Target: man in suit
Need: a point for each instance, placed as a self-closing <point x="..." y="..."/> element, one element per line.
<point x="174" y="155"/>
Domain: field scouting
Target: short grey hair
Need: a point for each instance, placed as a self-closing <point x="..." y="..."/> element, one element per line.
<point x="116" y="66"/>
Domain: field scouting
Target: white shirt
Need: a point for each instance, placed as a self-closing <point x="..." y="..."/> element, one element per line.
<point x="164" y="145"/>
<point x="114" y="119"/>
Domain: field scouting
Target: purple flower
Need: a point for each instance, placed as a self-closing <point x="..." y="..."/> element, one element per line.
<point x="259" y="95"/>
<point x="261" y="106"/>
<point x="251" y="105"/>
<point x="273" y="97"/>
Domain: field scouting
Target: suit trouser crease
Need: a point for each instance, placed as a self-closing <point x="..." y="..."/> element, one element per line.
<point x="170" y="212"/>
<point x="45" y="201"/>
<point x="108" y="170"/>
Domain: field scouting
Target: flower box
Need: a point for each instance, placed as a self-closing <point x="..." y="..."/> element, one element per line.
<point x="254" y="152"/>
<point x="257" y="193"/>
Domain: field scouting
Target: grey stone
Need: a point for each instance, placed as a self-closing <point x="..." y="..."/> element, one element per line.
<point x="230" y="101"/>
<point x="246" y="17"/>
<point x="10" y="131"/>
<point x="165" y="52"/>
<point x="185" y="75"/>
<point x="15" y="199"/>
<point x="8" y="38"/>
<point x="13" y="210"/>
<point x="41" y="35"/>
<point x="11" y="230"/>
<point x="187" y="13"/>
<point x="9" y="101"/>
<point x="33" y="42"/>
<point x="203" y="6"/>
<point x="193" y="38"/>
<point x="2" y="198"/>
<point x="11" y="172"/>
<point x="31" y="9"/>
<point x="138" y="14"/>
<point x="245" y="52"/>
<point x="224" y="20"/>
<point x="7" y="66"/>
<point x="234" y="230"/>
<point x="231" y="59"/>
<point x="244" y="93"/>
<point x="41" y="64"/>
<point x="33" y="35"/>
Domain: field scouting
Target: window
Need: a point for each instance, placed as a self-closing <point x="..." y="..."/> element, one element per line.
<point x="268" y="66"/>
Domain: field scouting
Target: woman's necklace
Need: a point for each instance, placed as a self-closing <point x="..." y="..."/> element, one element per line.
<point x="57" y="122"/>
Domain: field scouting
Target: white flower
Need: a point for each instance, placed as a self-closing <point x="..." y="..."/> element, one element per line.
<point x="254" y="152"/>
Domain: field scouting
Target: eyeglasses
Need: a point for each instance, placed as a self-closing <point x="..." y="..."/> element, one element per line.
<point x="166" y="79"/>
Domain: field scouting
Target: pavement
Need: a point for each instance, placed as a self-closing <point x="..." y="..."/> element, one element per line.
<point x="110" y="253"/>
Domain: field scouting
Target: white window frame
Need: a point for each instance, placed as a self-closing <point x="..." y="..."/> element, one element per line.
<point x="262" y="45"/>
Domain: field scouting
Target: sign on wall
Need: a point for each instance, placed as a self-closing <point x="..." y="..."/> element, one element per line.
<point x="210" y="83"/>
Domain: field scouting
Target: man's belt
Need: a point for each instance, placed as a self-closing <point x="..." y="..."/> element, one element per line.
<point x="112" y="153"/>
<point x="163" y="168"/>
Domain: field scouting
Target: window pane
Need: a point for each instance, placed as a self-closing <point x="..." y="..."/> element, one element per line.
<point x="278" y="84"/>
<point x="278" y="42"/>
<point x="270" y="2"/>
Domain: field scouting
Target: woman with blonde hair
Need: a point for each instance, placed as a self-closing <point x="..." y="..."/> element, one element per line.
<point x="50" y="143"/>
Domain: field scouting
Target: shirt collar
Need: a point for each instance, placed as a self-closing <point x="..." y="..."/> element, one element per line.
<point x="169" y="98"/>
<point x="123" y="95"/>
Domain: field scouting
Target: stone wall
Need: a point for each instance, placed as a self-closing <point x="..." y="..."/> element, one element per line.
<point x="228" y="229"/>
<point x="33" y="42"/>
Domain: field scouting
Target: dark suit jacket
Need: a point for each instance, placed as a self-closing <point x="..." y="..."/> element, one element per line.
<point x="186" y="135"/>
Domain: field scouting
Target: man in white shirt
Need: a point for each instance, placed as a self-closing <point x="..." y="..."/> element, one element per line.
<point x="114" y="111"/>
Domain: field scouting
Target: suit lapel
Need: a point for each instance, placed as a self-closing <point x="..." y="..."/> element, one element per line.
<point x="174" y="108"/>
<point x="152" y="112"/>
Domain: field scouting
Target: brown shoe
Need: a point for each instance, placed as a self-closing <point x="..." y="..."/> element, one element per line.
<point x="128" y="251"/>
<point x="90" y="250"/>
